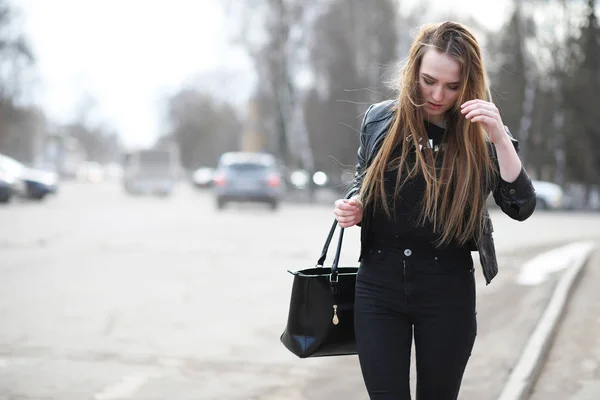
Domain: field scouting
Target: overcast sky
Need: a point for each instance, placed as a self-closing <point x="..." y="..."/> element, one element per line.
<point x="130" y="54"/>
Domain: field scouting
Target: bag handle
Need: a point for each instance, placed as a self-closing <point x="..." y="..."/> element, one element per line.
<point x="321" y="259"/>
<point x="333" y="278"/>
<point x="336" y="259"/>
<point x="338" y="251"/>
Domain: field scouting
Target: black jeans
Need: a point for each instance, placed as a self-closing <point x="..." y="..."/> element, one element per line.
<point x="431" y="294"/>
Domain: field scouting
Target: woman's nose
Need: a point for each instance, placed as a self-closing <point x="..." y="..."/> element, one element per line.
<point x="437" y="94"/>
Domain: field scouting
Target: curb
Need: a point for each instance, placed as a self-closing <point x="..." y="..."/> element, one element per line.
<point x="526" y="372"/>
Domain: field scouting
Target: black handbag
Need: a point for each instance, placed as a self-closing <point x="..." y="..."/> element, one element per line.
<point x="321" y="313"/>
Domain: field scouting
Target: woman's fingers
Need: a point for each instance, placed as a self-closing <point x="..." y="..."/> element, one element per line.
<point x="346" y="212"/>
<point x="345" y="204"/>
<point x="479" y="107"/>
<point x="347" y="222"/>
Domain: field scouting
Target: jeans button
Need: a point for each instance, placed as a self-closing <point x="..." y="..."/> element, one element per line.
<point x="407" y="252"/>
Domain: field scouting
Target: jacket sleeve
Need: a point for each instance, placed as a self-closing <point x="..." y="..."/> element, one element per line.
<point x="361" y="159"/>
<point x="516" y="199"/>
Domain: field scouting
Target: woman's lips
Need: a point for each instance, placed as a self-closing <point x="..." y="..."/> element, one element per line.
<point x="434" y="106"/>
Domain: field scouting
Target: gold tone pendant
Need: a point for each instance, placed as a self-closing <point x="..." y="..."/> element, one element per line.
<point x="335" y="320"/>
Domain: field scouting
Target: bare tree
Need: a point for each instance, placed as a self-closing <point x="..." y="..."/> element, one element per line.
<point x="272" y="32"/>
<point x="581" y="101"/>
<point x="514" y="81"/>
<point x="23" y="130"/>
<point x="15" y="53"/>
<point x="100" y="143"/>
<point x="554" y="52"/>
<point x="202" y="127"/>
<point x="354" y="45"/>
<point x="15" y="56"/>
<point x="529" y="76"/>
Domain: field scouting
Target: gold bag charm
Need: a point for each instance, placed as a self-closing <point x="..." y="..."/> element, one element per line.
<point x="335" y="320"/>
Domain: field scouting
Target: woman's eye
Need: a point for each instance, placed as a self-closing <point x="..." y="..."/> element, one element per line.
<point x="428" y="82"/>
<point x="453" y="87"/>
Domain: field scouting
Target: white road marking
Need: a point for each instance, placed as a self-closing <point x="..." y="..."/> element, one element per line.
<point x="127" y="387"/>
<point x="536" y="270"/>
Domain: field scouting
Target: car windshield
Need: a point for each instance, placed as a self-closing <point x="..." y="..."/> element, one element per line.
<point x="247" y="167"/>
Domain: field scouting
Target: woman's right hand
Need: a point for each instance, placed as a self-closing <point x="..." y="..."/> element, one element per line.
<point x="348" y="212"/>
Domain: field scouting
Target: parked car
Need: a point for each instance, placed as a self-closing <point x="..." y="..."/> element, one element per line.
<point x="549" y="196"/>
<point x="12" y="172"/>
<point x="203" y="177"/>
<point x="6" y="187"/>
<point x="30" y="182"/>
<point x="248" y="177"/>
<point x="40" y="182"/>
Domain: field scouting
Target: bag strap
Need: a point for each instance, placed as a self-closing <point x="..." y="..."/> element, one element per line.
<point x="336" y="260"/>
<point x="321" y="260"/>
<point x="338" y="252"/>
<point x="333" y="277"/>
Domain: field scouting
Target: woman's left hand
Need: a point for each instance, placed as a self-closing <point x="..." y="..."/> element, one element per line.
<point x="488" y="115"/>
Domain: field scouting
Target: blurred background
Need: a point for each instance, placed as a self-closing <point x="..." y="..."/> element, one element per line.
<point x="132" y="132"/>
<point x="85" y="85"/>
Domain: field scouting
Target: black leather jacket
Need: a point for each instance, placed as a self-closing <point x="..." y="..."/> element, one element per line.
<point x="516" y="199"/>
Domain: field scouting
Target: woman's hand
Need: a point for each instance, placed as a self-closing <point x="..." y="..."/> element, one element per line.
<point x="348" y="212"/>
<point x="488" y="115"/>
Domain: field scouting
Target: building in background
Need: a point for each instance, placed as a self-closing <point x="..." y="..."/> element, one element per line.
<point x="253" y="138"/>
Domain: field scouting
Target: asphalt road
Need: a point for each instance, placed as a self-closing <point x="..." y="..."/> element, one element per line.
<point x="106" y="296"/>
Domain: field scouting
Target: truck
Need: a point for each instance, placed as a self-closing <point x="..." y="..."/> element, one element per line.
<point x="151" y="171"/>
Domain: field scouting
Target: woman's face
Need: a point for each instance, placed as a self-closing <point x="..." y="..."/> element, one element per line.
<point x="439" y="83"/>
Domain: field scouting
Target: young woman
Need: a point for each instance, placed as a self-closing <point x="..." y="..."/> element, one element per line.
<point x="427" y="163"/>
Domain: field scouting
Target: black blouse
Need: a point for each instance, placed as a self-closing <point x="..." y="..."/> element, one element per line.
<point x="401" y="229"/>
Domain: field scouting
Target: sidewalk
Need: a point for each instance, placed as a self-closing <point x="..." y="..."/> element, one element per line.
<point x="572" y="369"/>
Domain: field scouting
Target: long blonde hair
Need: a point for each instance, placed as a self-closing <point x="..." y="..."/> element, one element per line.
<point x="454" y="198"/>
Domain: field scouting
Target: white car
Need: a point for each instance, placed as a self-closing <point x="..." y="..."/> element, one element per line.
<point x="549" y="196"/>
<point x="203" y="177"/>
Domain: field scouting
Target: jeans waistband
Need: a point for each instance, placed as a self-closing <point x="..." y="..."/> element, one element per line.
<point x="445" y="260"/>
<point x="417" y="248"/>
